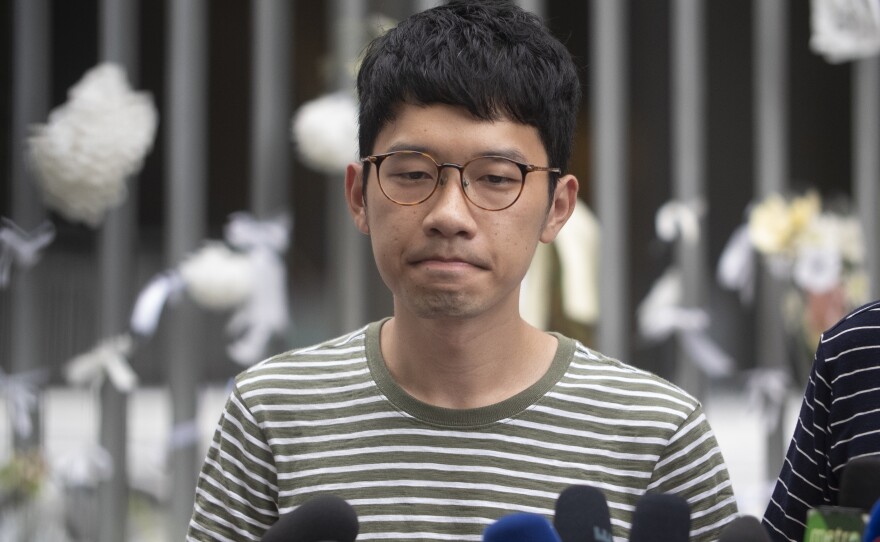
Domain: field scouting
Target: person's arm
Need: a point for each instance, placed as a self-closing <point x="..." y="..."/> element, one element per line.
<point x="692" y="466"/>
<point x="803" y="479"/>
<point x="236" y="493"/>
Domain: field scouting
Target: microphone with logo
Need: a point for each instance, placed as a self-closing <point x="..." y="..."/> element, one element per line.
<point x="326" y="518"/>
<point x="521" y="527"/>
<point x="582" y="515"/>
<point x="661" y="517"/>
<point x="859" y="491"/>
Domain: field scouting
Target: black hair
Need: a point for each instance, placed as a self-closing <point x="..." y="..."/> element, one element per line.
<point x="491" y="57"/>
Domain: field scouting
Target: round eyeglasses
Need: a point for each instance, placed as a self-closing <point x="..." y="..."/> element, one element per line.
<point x="492" y="183"/>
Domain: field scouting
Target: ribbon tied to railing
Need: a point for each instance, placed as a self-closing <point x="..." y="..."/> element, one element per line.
<point x="21" y="247"/>
<point x="22" y="391"/>
<point x="109" y="359"/>
<point x="265" y="312"/>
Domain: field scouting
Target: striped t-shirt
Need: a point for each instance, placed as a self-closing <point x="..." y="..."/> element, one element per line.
<point x="839" y="421"/>
<point x="330" y="420"/>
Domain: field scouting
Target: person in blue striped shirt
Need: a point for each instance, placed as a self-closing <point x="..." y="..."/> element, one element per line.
<point x="839" y="421"/>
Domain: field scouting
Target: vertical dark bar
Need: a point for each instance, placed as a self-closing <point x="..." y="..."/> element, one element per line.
<point x="185" y="227"/>
<point x="770" y="61"/>
<point x="117" y="245"/>
<point x="30" y="105"/>
<point x="608" y="105"/>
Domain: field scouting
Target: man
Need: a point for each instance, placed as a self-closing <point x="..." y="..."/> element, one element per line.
<point x="453" y="412"/>
<point x="838" y="422"/>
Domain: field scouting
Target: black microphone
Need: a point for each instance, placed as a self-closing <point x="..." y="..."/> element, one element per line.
<point x="860" y="483"/>
<point x="859" y="490"/>
<point x="582" y="515"/>
<point x="661" y="517"/>
<point x="521" y="527"/>
<point x="744" y="529"/>
<point x="326" y="518"/>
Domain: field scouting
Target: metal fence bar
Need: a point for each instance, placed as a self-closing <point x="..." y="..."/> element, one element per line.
<point x="349" y="248"/>
<point x="609" y="176"/>
<point x="116" y="255"/>
<point x="771" y="175"/>
<point x="688" y="166"/>
<point x="30" y="104"/>
<point x="270" y="107"/>
<point x="866" y="160"/>
<point x="185" y="228"/>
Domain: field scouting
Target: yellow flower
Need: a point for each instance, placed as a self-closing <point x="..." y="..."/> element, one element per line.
<point x="774" y="225"/>
<point x="803" y="210"/>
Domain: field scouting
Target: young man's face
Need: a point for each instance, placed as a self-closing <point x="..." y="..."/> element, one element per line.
<point x="446" y="257"/>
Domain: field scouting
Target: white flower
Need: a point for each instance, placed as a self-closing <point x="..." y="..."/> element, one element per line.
<point x="324" y="131"/>
<point x="851" y="241"/>
<point x="817" y="268"/>
<point x="216" y="277"/>
<point x="91" y="144"/>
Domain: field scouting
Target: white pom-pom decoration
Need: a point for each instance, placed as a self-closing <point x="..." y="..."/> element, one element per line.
<point x="92" y="144"/>
<point x="324" y="132"/>
<point x="217" y="278"/>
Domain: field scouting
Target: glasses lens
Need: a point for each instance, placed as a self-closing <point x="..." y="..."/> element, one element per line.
<point x="493" y="183"/>
<point x="408" y="177"/>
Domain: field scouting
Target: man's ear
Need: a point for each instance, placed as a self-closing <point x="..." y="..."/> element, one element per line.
<point x="356" y="198"/>
<point x="564" y="200"/>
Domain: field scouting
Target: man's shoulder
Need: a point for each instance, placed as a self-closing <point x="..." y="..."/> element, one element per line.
<point x="867" y="314"/>
<point x="627" y="378"/>
<point x="344" y="350"/>
<point x="861" y="327"/>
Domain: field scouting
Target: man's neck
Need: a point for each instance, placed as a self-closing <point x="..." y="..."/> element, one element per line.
<point x="462" y="364"/>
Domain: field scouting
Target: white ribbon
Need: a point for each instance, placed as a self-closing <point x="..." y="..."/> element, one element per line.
<point x="736" y="266"/>
<point x="244" y="231"/>
<point x="21" y="391"/>
<point x="660" y="315"/>
<point x="108" y="359"/>
<point x="265" y="313"/>
<point x="20" y="247"/>
<point x="150" y="302"/>
<point x="86" y="467"/>
<point x="767" y="389"/>
<point x="680" y="219"/>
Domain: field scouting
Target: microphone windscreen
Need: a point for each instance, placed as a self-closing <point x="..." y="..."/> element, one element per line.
<point x="582" y="515"/>
<point x="860" y="483"/>
<point x="326" y="518"/>
<point x="521" y="527"/>
<point x="744" y="529"/>
<point x="872" y="529"/>
<point x="661" y="517"/>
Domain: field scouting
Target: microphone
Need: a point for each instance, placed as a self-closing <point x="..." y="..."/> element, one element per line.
<point x="872" y="530"/>
<point x="521" y="527"/>
<point x="582" y="515"/>
<point x="326" y="518"/>
<point x="860" y="483"/>
<point x="661" y="517"/>
<point x="744" y="529"/>
<point x="859" y="490"/>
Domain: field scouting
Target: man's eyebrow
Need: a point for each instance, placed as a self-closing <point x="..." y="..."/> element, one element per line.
<point x="505" y="152"/>
<point x="404" y="146"/>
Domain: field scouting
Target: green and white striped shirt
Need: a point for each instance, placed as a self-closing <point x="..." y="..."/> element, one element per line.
<point x="330" y="419"/>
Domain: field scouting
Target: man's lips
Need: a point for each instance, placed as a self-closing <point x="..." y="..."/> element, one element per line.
<point x="447" y="260"/>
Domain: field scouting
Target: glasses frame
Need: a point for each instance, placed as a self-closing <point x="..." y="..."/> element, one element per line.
<point x="525" y="169"/>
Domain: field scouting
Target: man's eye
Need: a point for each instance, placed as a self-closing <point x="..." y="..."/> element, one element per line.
<point x="413" y="176"/>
